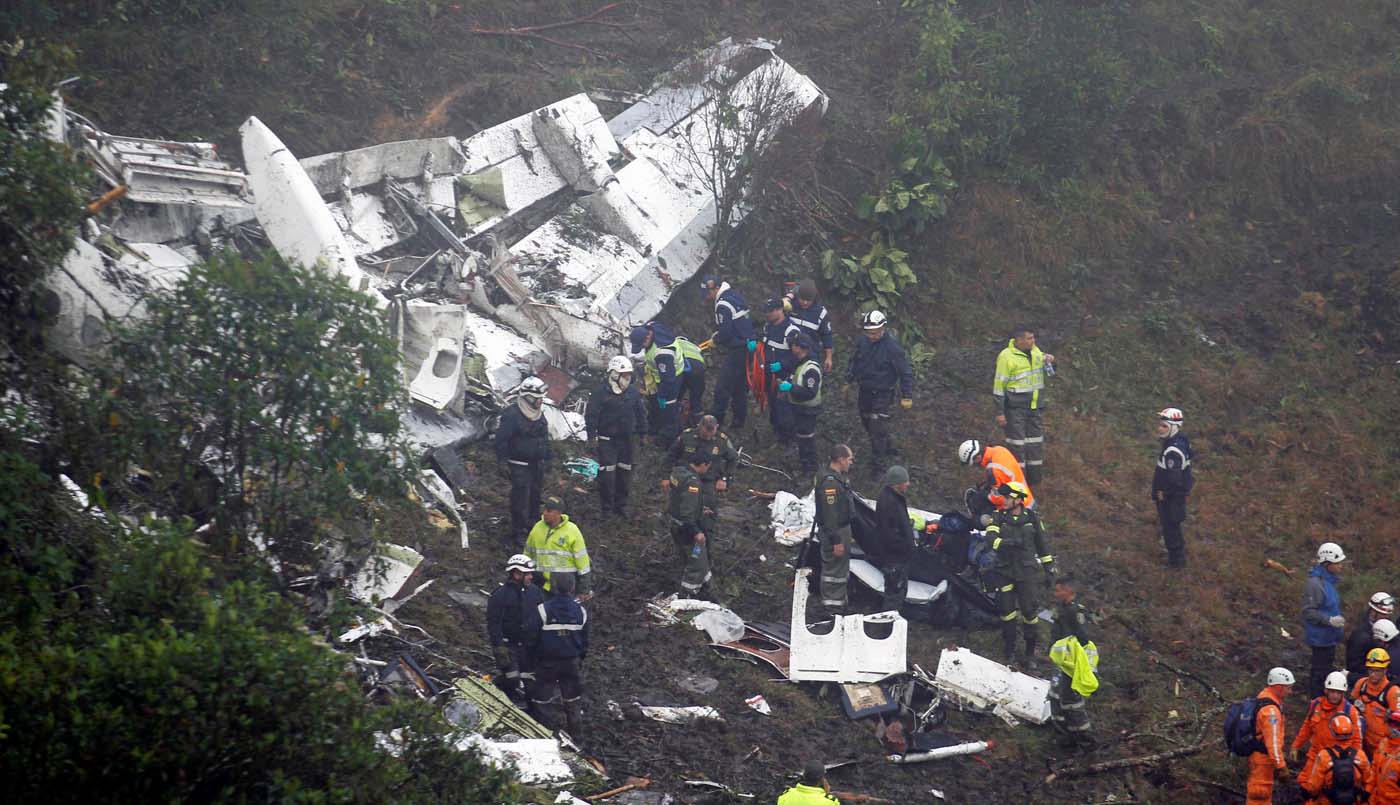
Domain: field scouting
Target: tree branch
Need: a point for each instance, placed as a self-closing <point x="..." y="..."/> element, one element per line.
<point x="1123" y="763"/>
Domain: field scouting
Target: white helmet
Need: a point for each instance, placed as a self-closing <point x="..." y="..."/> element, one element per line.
<point x="1384" y="630"/>
<point x="1171" y="416"/>
<point x="619" y="364"/>
<point x="520" y="562"/>
<point x="1330" y="552"/>
<point x="1383" y="603"/>
<point x="533" y="387"/>
<point x="1280" y="676"/>
<point x="969" y="451"/>
<point x="873" y="320"/>
<point x="1337" y="680"/>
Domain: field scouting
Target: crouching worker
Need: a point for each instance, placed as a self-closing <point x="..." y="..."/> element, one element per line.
<point x="559" y="642"/>
<point x="689" y="519"/>
<point x="1340" y="774"/>
<point x="1076" y="659"/>
<point x="812" y="789"/>
<point x="507" y="611"/>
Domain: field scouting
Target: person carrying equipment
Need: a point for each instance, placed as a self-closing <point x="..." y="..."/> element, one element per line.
<point x="879" y="368"/>
<point x="1314" y="733"/>
<point x="1067" y="704"/>
<point x="1020" y="551"/>
<point x="1376" y="695"/>
<point x="1019" y="389"/>
<point x="522" y="449"/>
<point x="1171" y="483"/>
<point x="834" y="513"/>
<point x="559" y="644"/>
<point x="1000" y="467"/>
<point x="1267" y="761"/>
<point x="1341" y="773"/>
<point x="734" y="338"/>
<point x="688" y="518"/>
<point x="557" y="547"/>
<point x="1323" y="623"/>
<point x="812" y="790"/>
<point x="804" y="394"/>
<point x="779" y="334"/>
<point x="614" y="417"/>
<point x="1361" y="640"/>
<point x="507" y="612"/>
<point x="675" y="370"/>
<point x="810" y="315"/>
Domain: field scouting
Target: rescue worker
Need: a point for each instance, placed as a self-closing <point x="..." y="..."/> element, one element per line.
<point x="1323" y="623"/>
<point x="734" y="339"/>
<point x="614" y="417"/>
<point x="707" y="438"/>
<point x="1171" y="483"/>
<point x="1019" y="388"/>
<point x="1341" y="772"/>
<point x="1269" y="762"/>
<point x="507" y="611"/>
<point x="1361" y="640"/>
<point x="895" y="536"/>
<point x="999" y="467"/>
<point x="778" y="336"/>
<point x="522" y="449"/>
<point x="812" y="316"/>
<point x="559" y="644"/>
<point x="1019" y="547"/>
<point x="804" y="393"/>
<point x="834" y="514"/>
<point x="1067" y="707"/>
<point x="1387" y="636"/>
<point x="1314" y="734"/>
<point x="1384" y="785"/>
<point x="1376" y="695"/>
<point x="812" y="790"/>
<point x="557" y="546"/>
<point x="688" y="518"/>
<point x="675" y="372"/>
<point x="879" y="368"/>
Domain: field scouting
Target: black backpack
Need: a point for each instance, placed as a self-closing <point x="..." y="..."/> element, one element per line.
<point x="1239" y="726"/>
<point x="1343" y="788"/>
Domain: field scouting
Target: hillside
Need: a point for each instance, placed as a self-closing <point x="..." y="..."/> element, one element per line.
<point x="1195" y="204"/>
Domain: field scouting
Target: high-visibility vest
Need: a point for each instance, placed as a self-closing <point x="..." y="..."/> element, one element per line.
<point x="1005" y="469"/>
<point x="1079" y="662"/>
<point x="1020" y="373"/>
<point x="798" y="376"/>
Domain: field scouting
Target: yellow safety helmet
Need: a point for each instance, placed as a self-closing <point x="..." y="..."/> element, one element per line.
<point x="1016" y="488"/>
<point x="1378" y="658"/>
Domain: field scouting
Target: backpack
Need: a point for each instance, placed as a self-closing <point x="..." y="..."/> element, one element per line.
<point x="1343" y="788"/>
<point x="1239" y="726"/>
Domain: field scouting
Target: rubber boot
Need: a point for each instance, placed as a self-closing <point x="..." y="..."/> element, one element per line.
<point x="1032" y="663"/>
<point x="1008" y="642"/>
<point x="573" y="718"/>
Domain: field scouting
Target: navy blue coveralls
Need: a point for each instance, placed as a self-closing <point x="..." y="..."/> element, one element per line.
<point x="733" y="334"/>
<point x="777" y="346"/>
<point x="615" y="420"/>
<point x="523" y="445"/>
<point x="1172" y="479"/>
<point x="878" y="368"/>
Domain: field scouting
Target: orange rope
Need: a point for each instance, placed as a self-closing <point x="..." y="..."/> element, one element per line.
<point x="757" y="376"/>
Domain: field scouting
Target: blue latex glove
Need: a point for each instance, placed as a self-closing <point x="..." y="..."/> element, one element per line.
<point x="784" y="386"/>
<point x="660" y="403"/>
<point x="753" y="345"/>
<point x="775" y="366"/>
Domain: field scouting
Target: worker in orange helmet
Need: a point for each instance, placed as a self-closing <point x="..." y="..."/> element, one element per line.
<point x="1341" y="774"/>
<point x="1384" y="785"/>
<point x="1269" y="762"/>
<point x="1001" y="468"/>
<point x="1314" y="733"/>
<point x="1377" y="696"/>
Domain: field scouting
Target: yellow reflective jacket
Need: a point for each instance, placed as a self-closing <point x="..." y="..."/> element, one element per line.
<point x="806" y="795"/>
<point x="560" y="549"/>
<point x="1020" y="377"/>
<point x="1079" y="662"/>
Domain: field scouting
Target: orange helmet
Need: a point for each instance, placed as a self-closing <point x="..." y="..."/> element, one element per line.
<point x="1341" y="727"/>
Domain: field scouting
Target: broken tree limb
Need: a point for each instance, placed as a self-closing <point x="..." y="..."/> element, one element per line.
<point x="1124" y="763"/>
<point x="1277" y="566"/>
<point x="1157" y="658"/>
<point x="534" y="31"/>
<point x="633" y="783"/>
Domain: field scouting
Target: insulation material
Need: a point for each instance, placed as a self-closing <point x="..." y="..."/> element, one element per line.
<point x="538" y="761"/>
<point x="848" y="652"/>
<point x="792" y="517"/>
<point x="988" y="685"/>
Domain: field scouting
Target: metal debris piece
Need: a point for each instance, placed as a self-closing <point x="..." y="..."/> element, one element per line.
<point x="990" y="686"/>
<point x="370" y="629"/>
<point x="759" y="704"/>
<point x="404" y="670"/>
<point x="866" y="699"/>
<point x="537" y="761"/>
<point x="759" y="645"/>
<point x="848" y="652"/>
<point x="666" y="715"/>
<point x="697" y="684"/>
<point x="721" y="625"/>
<point x="969" y="748"/>
<point x="498" y="713"/>
<point x="386" y="574"/>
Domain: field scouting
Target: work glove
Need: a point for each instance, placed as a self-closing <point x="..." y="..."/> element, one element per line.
<point x="784" y="386"/>
<point x="752" y="345"/>
<point x="906" y="403"/>
<point x="1050" y="575"/>
<point x="660" y="403"/>
<point x="775" y="366"/>
<point x="503" y="657"/>
<point x="1337" y="621"/>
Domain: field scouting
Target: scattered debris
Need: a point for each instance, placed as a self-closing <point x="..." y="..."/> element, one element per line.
<point x="537" y="761"/>
<point x="969" y="748"/>
<point x="1277" y="566"/>
<point x="1123" y="763"/>
<point x="759" y="704"/>
<point x="667" y="608"/>
<point x="498" y="712"/>
<point x="632" y="784"/>
<point x="867" y="699"/>
<point x="666" y="715"/>
<point x="988" y="685"/>
<point x="850" y="651"/>
<point x="699" y="685"/>
<point x="582" y="468"/>
<point x="405" y="672"/>
<point x="721" y="625"/>
<point x="368" y="630"/>
<point x="468" y="598"/>
<point x="766" y="643"/>
<point x="717" y="787"/>
<point x="385" y="575"/>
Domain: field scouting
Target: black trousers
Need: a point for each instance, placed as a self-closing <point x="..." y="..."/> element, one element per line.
<point x="780" y="416"/>
<point x="526" y="486"/>
<point x="1324" y="662"/>
<point x="614" y="472"/>
<point x="875" y="410"/>
<point x="1171" y="513"/>
<point x="804" y="422"/>
<point x="896" y="584"/>
<point x="693" y="391"/>
<point x="732" y="387"/>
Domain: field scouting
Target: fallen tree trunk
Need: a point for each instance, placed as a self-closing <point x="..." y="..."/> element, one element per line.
<point x="1124" y="763"/>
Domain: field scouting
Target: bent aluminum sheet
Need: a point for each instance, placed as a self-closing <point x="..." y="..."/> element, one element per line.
<point x="849" y="652"/>
<point x="537" y="760"/>
<point x="918" y="592"/>
<point x="989" y="685"/>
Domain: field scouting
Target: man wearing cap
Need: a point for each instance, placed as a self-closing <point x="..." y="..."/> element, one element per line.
<point x="1323" y="623"/>
<point x="811" y="315"/>
<point x="675" y="370"/>
<point x="895" y="536"/>
<point x="556" y="545"/>
<point x="688" y="520"/>
<point x="507" y="611"/>
<point x="812" y="790"/>
<point x="778" y="336"/>
<point x="803" y="393"/>
<point x="879" y="368"/>
<point x="614" y="417"/>
<point x="522" y="448"/>
<point x="709" y="439"/>
<point x="734" y="339"/>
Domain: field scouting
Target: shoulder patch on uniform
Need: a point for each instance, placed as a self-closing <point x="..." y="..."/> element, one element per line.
<point x="831" y="500"/>
<point x="692" y="489"/>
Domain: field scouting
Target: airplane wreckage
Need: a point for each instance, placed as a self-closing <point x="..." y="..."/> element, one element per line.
<point x="530" y="247"/>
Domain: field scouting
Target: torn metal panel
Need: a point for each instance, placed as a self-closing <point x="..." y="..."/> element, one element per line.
<point x="918" y="592"/>
<point x="537" y="761"/>
<point x="850" y="651"/>
<point x="386" y="574"/>
<point x="988" y="685"/>
<point x="164" y="172"/>
<point x="439" y="380"/>
<point x="968" y="748"/>
<point x="499" y="715"/>
<point x="866" y="699"/>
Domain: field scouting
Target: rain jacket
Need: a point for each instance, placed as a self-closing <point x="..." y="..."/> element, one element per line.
<point x="895" y="530"/>
<point x="1375" y="701"/>
<point x="508" y="610"/>
<point x="1384" y="784"/>
<point x="1002" y="468"/>
<point x="1319" y="780"/>
<point x="1173" y="472"/>
<point x="733" y="326"/>
<point x="559" y="629"/>
<point x="560" y="549"/>
<point x="1320" y="603"/>
<point x="616" y="416"/>
<point x="806" y="795"/>
<point x="1268" y="728"/>
<point x="879" y="366"/>
<point x="521" y="440"/>
<point x="1020" y="378"/>
<point x="667" y="358"/>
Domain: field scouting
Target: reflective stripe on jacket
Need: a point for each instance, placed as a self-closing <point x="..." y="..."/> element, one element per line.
<point x="1019" y="377"/>
<point x="560" y="549"/>
<point x="806" y="795"/>
<point x="806" y="385"/>
<point x="1001" y="463"/>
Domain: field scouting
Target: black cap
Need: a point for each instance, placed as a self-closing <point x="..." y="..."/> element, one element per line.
<point x="553" y="502"/>
<point x="813" y="772"/>
<point x="773" y="304"/>
<point x="700" y="457"/>
<point x="805" y="341"/>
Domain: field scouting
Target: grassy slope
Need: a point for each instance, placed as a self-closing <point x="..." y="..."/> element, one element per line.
<point x="1245" y="196"/>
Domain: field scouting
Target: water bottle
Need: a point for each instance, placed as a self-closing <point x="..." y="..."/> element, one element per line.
<point x="1049" y="370"/>
<point x="695" y="551"/>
